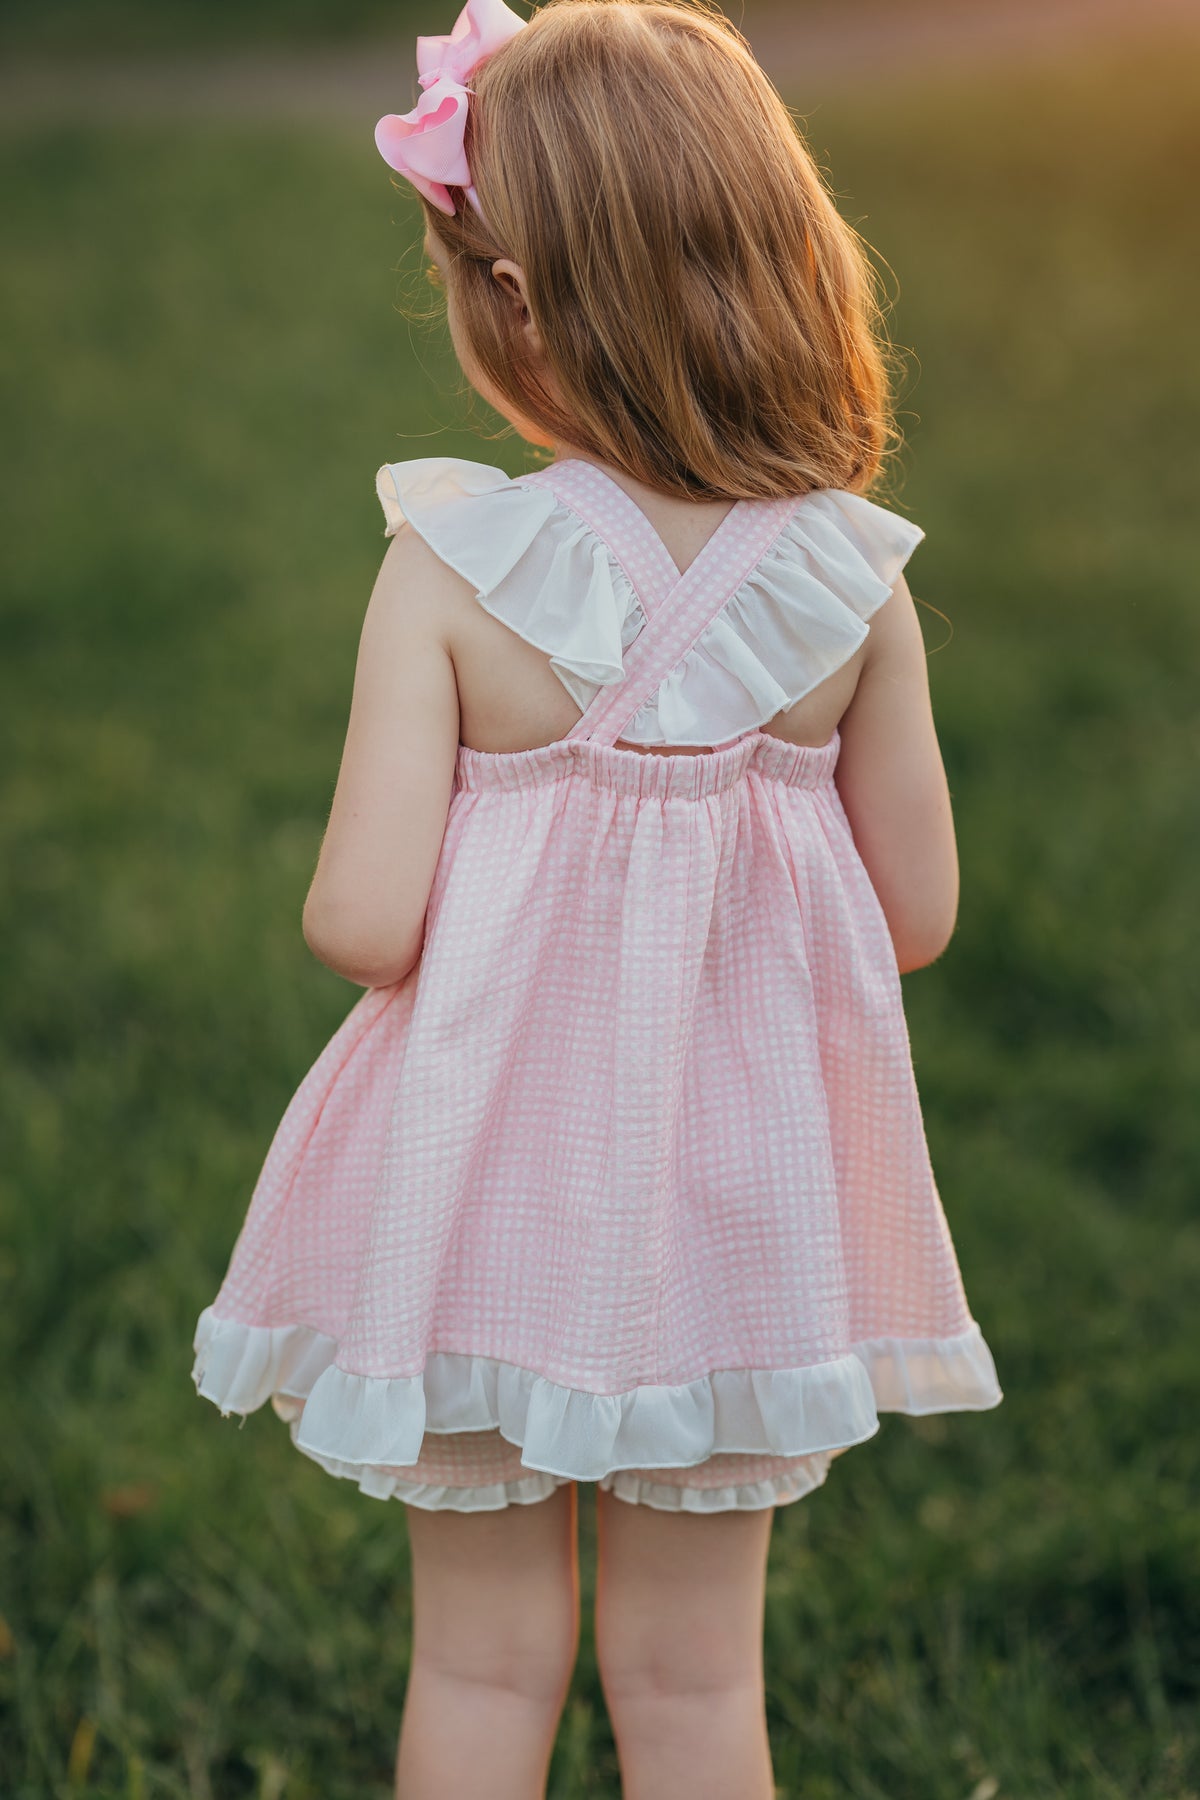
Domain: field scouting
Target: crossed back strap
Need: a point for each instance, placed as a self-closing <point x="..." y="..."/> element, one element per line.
<point x="678" y="608"/>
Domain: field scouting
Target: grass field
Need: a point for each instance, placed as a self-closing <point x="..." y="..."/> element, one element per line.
<point x="202" y="366"/>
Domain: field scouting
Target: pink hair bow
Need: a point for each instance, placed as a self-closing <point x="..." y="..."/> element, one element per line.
<point x="426" y="144"/>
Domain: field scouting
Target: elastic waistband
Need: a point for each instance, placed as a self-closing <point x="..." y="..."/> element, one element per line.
<point x="662" y="777"/>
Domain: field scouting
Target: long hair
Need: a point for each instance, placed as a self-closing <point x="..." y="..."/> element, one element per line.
<point x="711" y="325"/>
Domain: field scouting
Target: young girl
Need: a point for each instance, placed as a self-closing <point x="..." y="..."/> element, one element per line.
<point x="616" y="1173"/>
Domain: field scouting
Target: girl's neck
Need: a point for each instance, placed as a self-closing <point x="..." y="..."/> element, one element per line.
<point x="652" y="501"/>
<point x="683" y="527"/>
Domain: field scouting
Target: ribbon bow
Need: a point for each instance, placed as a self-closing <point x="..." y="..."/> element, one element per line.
<point x="426" y="144"/>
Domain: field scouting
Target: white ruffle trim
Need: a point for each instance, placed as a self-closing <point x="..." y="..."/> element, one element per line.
<point x="535" y="566"/>
<point x="626" y="1485"/>
<point x="383" y="1484"/>
<point x="559" y="589"/>
<point x="365" y="1421"/>
<point x="744" y="1496"/>
<point x="798" y="616"/>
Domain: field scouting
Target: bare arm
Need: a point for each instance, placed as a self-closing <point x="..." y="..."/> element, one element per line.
<point x="892" y="783"/>
<point x="365" y="912"/>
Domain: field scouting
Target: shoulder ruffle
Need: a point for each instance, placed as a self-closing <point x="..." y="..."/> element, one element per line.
<point x="535" y="566"/>
<point x="797" y="618"/>
<point x="559" y="588"/>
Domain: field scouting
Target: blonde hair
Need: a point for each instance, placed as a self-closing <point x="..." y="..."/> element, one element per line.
<point x="710" y="323"/>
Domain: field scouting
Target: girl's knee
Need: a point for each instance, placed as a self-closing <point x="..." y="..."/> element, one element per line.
<point x="679" y="1604"/>
<point x="674" y="1651"/>
<point x="507" y="1638"/>
<point x="496" y="1599"/>
<point x="499" y="1663"/>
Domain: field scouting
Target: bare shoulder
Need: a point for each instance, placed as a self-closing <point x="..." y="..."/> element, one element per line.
<point x="892" y="783"/>
<point x="892" y="698"/>
<point x="895" y="631"/>
<point x="416" y="591"/>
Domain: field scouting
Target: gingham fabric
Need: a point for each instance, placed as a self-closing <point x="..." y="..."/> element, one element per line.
<point x="627" y="1181"/>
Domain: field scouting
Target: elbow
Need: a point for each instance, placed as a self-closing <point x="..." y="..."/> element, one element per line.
<point x="922" y="912"/>
<point x="360" y="952"/>
<point x="920" y="941"/>
<point x="918" y="954"/>
<point x="359" y="964"/>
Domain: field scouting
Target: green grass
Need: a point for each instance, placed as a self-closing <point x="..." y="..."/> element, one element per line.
<point x="202" y="366"/>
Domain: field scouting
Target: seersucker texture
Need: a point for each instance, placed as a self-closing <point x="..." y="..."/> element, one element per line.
<point x="627" y="1181"/>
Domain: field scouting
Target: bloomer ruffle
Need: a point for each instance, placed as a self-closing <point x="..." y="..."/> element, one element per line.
<point x="362" y="1422"/>
<point x="643" y="1487"/>
<point x="389" y="1483"/>
<point x="742" y="1496"/>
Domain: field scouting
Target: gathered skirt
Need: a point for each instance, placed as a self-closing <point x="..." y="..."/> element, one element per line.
<point x="627" y="1182"/>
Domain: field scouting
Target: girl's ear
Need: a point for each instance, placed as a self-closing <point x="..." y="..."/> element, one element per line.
<point x="511" y="277"/>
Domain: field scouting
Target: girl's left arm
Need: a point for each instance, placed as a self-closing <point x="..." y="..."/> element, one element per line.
<point x="365" y="912"/>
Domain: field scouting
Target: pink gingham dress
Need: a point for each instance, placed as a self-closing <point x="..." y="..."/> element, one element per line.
<point x="627" y="1181"/>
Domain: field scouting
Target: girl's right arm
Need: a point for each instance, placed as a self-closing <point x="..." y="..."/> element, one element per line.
<point x="892" y="784"/>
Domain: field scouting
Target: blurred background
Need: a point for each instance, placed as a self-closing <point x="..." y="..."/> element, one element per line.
<point x="207" y="348"/>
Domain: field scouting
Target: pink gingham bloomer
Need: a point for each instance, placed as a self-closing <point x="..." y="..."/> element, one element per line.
<point x="627" y="1181"/>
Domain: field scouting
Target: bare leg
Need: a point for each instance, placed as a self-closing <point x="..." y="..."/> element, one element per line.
<point x="679" y="1620"/>
<point x="495" y="1634"/>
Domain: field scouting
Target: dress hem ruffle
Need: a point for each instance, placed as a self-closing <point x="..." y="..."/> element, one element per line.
<point x="633" y="1486"/>
<point x="364" y="1421"/>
